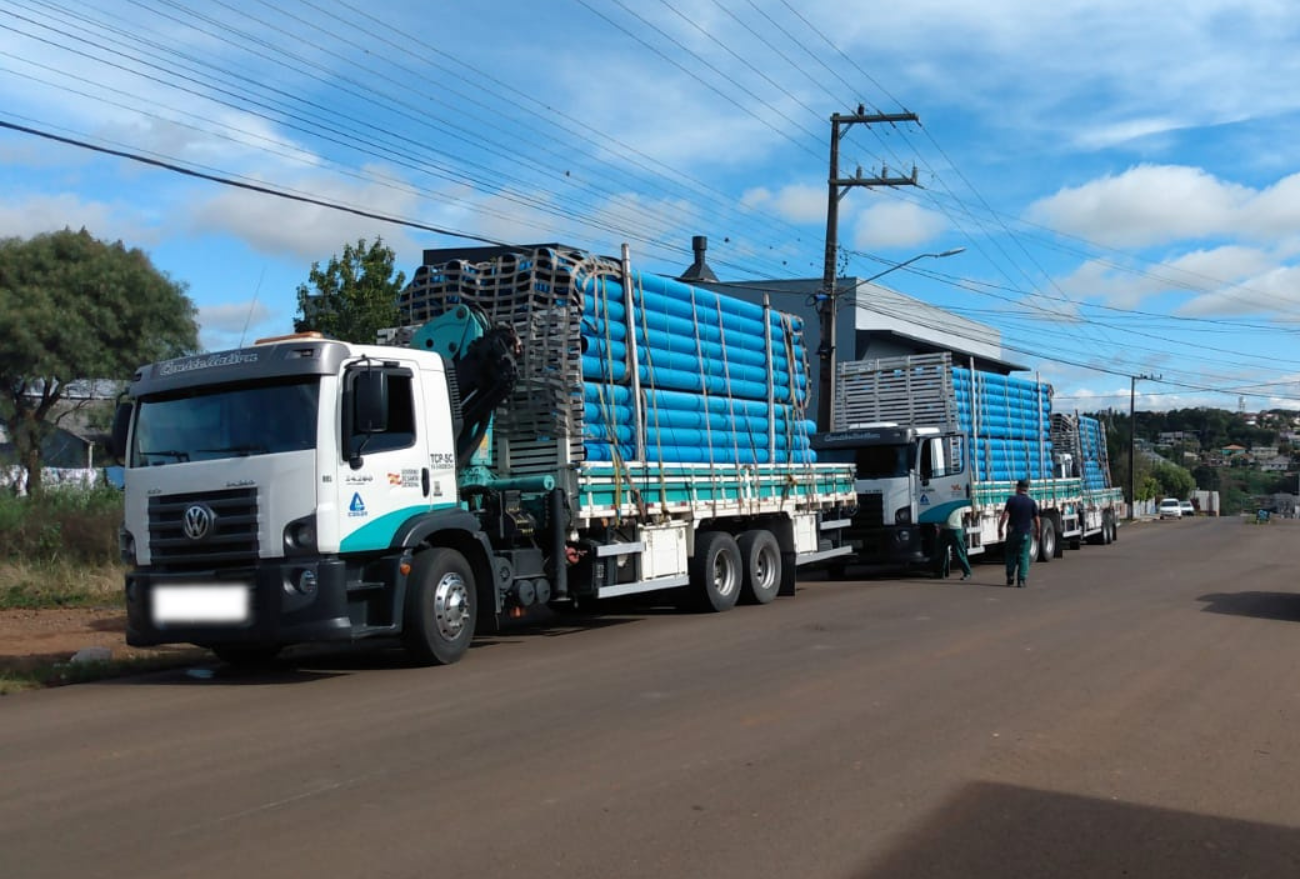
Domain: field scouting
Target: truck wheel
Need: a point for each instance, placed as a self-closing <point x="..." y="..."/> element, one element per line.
<point x="761" y="555"/>
<point x="441" y="606"/>
<point x="1107" y="530"/>
<point x="1046" y="541"/>
<point x="1114" y="530"/>
<point x="716" y="571"/>
<point x="247" y="655"/>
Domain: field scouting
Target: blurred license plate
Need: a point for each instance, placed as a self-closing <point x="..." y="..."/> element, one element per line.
<point x="201" y="604"/>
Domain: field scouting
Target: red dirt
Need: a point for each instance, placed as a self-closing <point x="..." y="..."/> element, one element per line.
<point x="34" y="638"/>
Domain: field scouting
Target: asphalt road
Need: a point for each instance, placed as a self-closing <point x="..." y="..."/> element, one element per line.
<point x="1133" y="713"/>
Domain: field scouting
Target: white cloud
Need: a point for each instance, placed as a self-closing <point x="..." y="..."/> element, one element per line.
<point x="796" y="203"/>
<point x="896" y="224"/>
<point x="26" y="215"/>
<point x="228" y="325"/>
<point x="233" y="317"/>
<point x="1277" y="289"/>
<point x="1149" y="204"/>
<point x="281" y="227"/>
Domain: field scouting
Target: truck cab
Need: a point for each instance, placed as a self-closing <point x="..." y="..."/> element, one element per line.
<point x="265" y="487"/>
<point x="908" y="480"/>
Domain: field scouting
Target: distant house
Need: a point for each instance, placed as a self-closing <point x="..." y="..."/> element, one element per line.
<point x="1274" y="463"/>
<point x="66" y="457"/>
<point x="62" y="449"/>
<point x="1234" y="451"/>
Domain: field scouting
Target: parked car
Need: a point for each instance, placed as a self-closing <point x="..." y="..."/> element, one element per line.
<point x="1171" y="508"/>
<point x="1188" y="509"/>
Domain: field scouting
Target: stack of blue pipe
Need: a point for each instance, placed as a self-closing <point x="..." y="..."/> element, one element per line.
<point x="708" y="393"/>
<point x="704" y="373"/>
<point x="1092" y="441"/>
<point x="1011" y="419"/>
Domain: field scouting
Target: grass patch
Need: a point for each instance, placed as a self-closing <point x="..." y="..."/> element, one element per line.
<point x="61" y="525"/>
<point x="35" y="585"/>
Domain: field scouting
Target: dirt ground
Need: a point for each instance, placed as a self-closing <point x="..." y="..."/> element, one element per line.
<point x="33" y="638"/>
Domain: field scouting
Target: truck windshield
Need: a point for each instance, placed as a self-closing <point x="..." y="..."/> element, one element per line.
<point x="874" y="462"/>
<point x="204" y="424"/>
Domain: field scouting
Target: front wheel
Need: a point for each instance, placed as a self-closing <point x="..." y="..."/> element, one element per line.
<point x="441" y="607"/>
<point x="761" y="555"/>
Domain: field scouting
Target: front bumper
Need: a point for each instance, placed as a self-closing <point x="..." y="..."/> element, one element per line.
<point x="277" y="612"/>
<point x="893" y="545"/>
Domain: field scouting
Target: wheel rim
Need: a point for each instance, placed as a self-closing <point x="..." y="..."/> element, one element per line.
<point x="764" y="570"/>
<point x="451" y="605"/>
<point x="724" y="574"/>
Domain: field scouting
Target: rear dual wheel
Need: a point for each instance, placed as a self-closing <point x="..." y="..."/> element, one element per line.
<point x="761" y="556"/>
<point x="716" y="571"/>
<point x="1046" y="541"/>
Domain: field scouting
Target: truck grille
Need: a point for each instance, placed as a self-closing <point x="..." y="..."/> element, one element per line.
<point x="227" y="520"/>
<point x="871" y="511"/>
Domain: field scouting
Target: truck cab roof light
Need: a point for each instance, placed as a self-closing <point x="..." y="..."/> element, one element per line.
<point x="291" y="337"/>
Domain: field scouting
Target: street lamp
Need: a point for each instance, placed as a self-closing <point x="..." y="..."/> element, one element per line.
<point x="907" y="262"/>
<point x="828" y="305"/>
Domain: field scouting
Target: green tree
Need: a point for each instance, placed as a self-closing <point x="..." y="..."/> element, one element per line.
<point x="76" y="308"/>
<point x="1148" y="489"/>
<point x="1173" y="481"/>
<point x="353" y="297"/>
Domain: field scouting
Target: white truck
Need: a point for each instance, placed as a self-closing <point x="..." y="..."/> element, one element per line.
<point x="928" y="437"/>
<point x="535" y="441"/>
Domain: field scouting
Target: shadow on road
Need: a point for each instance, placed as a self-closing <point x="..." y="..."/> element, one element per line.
<point x="1283" y="606"/>
<point x="994" y="830"/>
<point x="316" y="662"/>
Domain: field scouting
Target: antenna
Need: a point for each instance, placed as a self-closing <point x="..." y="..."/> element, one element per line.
<point x="249" y="318"/>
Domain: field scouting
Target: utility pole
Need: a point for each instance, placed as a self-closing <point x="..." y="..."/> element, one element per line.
<point x="1132" y="438"/>
<point x="827" y="303"/>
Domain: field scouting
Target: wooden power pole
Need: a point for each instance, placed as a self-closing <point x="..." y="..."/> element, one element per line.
<point x="828" y="301"/>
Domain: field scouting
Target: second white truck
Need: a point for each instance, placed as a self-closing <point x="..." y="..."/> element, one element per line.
<point x="927" y="437"/>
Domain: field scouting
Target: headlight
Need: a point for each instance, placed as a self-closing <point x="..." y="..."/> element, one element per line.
<point x="903" y="516"/>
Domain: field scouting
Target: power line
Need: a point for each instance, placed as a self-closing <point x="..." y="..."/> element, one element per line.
<point x="251" y="187"/>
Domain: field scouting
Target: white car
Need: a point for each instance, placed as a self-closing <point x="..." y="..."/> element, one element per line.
<point x="1188" y="509"/>
<point x="1171" y="508"/>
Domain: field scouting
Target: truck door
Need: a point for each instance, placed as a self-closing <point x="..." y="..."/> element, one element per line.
<point x="943" y="475"/>
<point x="383" y="478"/>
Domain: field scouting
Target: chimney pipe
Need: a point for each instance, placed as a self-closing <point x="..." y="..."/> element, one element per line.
<point x="699" y="270"/>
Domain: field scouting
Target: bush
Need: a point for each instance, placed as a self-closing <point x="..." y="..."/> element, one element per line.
<point x="78" y="526"/>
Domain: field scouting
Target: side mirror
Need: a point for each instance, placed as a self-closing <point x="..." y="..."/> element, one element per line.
<point x="370" y="409"/>
<point x="121" y="427"/>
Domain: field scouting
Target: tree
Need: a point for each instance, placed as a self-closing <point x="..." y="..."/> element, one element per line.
<point x="354" y="297"/>
<point x="1173" y="481"/>
<point x="76" y="308"/>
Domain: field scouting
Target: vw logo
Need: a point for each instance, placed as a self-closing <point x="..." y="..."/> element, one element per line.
<point x="198" y="522"/>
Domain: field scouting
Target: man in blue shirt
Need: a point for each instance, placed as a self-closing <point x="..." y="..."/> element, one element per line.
<point x="1022" y="513"/>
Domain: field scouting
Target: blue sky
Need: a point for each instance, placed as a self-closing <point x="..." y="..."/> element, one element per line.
<point x="1124" y="176"/>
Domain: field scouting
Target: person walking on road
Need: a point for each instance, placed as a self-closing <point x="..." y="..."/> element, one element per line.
<point x="952" y="545"/>
<point x="1021" y="512"/>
